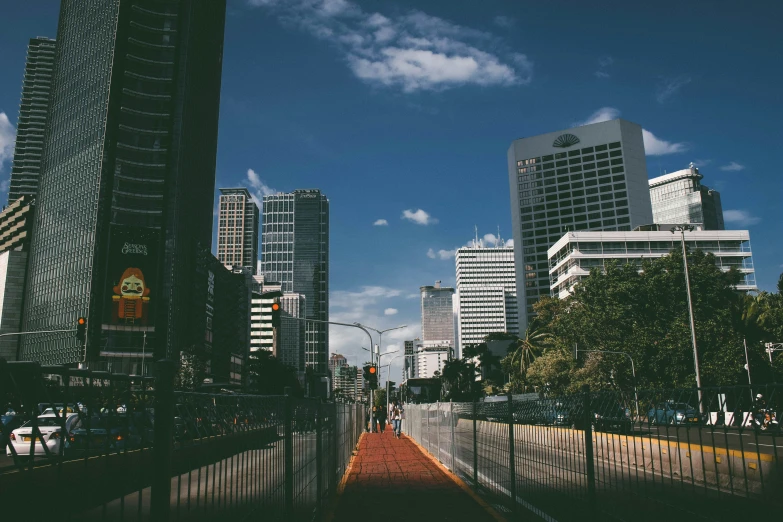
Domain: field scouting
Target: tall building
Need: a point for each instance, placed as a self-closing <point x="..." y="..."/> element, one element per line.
<point x="127" y="180"/>
<point x="574" y="254"/>
<point x="30" y="126"/>
<point x="295" y="244"/>
<point x="680" y="197"/>
<point x="430" y="360"/>
<point x="287" y="341"/>
<point x="14" y="241"/>
<point x="337" y="360"/>
<point x="437" y="315"/>
<point x="486" y="292"/>
<point x="592" y="177"/>
<point x="237" y="229"/>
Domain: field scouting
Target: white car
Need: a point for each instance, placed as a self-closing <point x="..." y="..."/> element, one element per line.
<point x="51" y="432"/>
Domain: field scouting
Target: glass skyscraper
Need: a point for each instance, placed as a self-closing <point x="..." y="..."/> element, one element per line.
<point x="127" y="181"/>
<point x="679" y="198"/>
<point x="437" y="315"/>
<point x="31" y="124"/>
<point x="295" y="245"/>
<point x="592" y="177"/>
<point x="238" y="229"/>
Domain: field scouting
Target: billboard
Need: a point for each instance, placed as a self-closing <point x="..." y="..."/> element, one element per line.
<point x="131" y="277"/>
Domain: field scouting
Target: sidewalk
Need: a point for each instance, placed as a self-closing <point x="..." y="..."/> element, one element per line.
<point x="391" y="477"/>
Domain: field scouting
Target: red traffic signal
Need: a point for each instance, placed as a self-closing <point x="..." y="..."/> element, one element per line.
<point x="81" y="329"/>
<point x="276" y="314"/>
<point x="373" y="369"/>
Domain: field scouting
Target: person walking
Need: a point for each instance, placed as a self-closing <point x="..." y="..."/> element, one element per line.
<point x="382" y="415"/>
<point x="396" y="418"/>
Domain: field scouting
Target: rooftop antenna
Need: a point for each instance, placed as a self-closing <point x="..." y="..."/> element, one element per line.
<point x="497" y="239"/>
<point x="476" y="241"/>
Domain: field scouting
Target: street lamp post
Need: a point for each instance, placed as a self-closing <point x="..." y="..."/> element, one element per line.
<point x="633" y="371"/>
<point x="380" y="336"/>
<point x="388" y="374"/>
<point x="681" y="229"/>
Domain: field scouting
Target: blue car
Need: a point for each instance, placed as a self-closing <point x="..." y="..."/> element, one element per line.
<point x="673" y="414"/>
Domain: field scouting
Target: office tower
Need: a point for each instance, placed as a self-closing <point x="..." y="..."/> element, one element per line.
<point x="430" y="360"/>
<point x="287" y="341"/>
<point x="592" y="177"/>
<point x="437" y="315"/>
<point x="237" y="229"/>
<point x="295" y="244"/>
<point x="36" y="90"/>
<point x="680" y="198"/>
<point x="486" y="292"/>
<point x="572" y="257"/>
<point x="336" y="361"/>
<point x="127" y="180"/>
<point x="14" y="244"/>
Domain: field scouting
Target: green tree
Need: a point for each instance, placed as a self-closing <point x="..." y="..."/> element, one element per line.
<point x="268" y="376"/>
<point x="459" y="380"/>
<point x="379" y="398"/>
<point x="521" y="356"/>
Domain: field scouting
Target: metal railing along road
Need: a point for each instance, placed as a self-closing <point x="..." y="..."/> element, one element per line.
<point x="638" y="455"/>
<point x="82" y="445"/>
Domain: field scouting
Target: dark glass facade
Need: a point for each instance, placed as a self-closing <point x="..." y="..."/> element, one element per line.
<point x="31" y="124"/>
<point x="295" y="244"/>
<point x="127" y="181"/>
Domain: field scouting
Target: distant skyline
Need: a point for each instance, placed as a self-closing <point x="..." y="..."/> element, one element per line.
<point x="402" y="113"/>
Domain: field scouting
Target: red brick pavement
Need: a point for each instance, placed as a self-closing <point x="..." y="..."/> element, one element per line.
<point x="391" y="477"/>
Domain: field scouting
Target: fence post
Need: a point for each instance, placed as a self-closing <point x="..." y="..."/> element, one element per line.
<point x="475" y="445"/>
<point x="453" y="427"/>
<point x="429" y="444"/>
<point x="589" y="462"/>
<point x="288" y="451"/>
<point x="319" y="459"/>
<point x="437" y="430"/>
<point x="512" y="461"/>
<point x="160" y="487"/>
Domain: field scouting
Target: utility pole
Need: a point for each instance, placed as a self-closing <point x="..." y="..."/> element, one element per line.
<point x="682" y="229"/>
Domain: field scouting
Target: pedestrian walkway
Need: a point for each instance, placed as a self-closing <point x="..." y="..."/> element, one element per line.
<point x="391" y="477"/>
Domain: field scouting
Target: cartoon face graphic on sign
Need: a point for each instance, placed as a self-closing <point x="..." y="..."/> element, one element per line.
<point x="130" y="300"/>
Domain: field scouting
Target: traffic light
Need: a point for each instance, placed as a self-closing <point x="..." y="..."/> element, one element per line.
<point x="373" y="380"/>
<point x="276" y="314"/>
<point x="81" y="329"/>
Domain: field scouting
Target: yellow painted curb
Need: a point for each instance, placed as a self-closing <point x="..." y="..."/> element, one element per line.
<point x="459" y="482"/>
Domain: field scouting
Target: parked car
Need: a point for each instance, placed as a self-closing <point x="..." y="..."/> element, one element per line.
<point x="104" y="434"/>
<point x="611" y="416"/>
<point x="51" y="431"/>
<point x="673" y="413"/>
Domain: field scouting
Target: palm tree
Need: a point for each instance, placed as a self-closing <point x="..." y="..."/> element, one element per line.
<point x="528" y="348"/>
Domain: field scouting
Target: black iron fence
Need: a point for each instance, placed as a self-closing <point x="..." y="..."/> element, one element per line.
<point x="88" y="445"/>
<point x="637" y="455"/>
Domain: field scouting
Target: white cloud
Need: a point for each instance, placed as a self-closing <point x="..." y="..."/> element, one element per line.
<point x="510" y="243"/>
<point x="733" y="167"/>
<point x="259" y="188"/>
<point x="412" y="51"/>
<point x="441" y="254"/>
<point x="602" y="114"/>
<point x="390" y="311"/>
<point x="668" y="87"/>
<point x="381" y="223"/>
<point x="740" y="218"/>
<point x="7" y="139"/>
<point x="418" y="216"/>
<point x="604" y="62"/>
<point x="699" y="163"/>
<point x="506" y="22"/>
<point x="654" y="146"/>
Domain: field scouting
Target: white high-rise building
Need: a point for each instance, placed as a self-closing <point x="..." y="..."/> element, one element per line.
<point x="680" y="198"/>
<point x="486" y="292"/>
<point x="437" y="315"/>
<point x="287" y="343"/>
<point x="592" y="177"/>
<point x="430" y="360"/>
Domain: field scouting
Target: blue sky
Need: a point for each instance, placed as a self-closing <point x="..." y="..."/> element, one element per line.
<point x="410" y="106"/>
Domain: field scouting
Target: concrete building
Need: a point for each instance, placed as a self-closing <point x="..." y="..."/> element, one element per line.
<point x="30" y="127"/>
<point x="572" y="257"/>
<point x="287" y="341"/>
<point x="592" y="177"/>
<point x="295" y="244"/>
<point x="336" y="361"/>
<point x="237" y="229"/>
<point x="486" y="292"/>
<point x="126" y="189"/>
<point x="680" y="198"/>
<point x="437" y="315"/>
<point x="15" y="220"/>
<point x="430" y="360"/>
<point x="350" y="380"/>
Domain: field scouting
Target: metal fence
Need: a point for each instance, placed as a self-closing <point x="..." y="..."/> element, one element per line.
<point x="87" y="445"/>
<point x="638" y="455"/>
